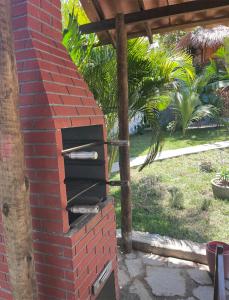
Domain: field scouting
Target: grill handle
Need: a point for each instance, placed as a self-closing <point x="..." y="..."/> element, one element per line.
<point x="82" y="155"/>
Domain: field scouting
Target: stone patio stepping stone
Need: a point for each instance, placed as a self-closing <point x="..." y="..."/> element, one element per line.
<point x="153" y="260"/>
<point x="120" y="257"/>
<point x="126" y="295"/>
<point x="123" y="278"/>
<point x="131" y="255"/>
<point x="203" y="267"/>
<point x="177" y="263"/>
<point x="200" y="276"/>
<point x="165" y="282"/>
<point x="135" y="267"/>
<point x="138" y="288"/>
<point x="204" y="292"/>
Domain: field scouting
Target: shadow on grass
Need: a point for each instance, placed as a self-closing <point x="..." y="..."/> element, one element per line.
<point x="206" y="135"/>
<point x="180" y="224"/>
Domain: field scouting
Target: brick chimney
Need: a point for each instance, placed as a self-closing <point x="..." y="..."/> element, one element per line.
<point x="53" y="97"/>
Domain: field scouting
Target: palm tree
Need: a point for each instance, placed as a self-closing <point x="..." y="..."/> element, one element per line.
<point x="188" y="107"/>
<point x="152" y="75"/>
<point x="219" y="68"/>
<point x="201" y="98"/>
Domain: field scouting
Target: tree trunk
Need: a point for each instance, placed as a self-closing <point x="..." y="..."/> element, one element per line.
<point x="14" y="187"/>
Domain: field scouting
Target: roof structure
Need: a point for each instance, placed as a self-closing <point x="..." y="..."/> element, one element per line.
<point x="205" y="37"/>
<point x="147" y="17"/>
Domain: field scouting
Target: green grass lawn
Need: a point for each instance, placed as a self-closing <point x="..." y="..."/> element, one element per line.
<point x="139" y="144"/>
<point x="203" y="218"/>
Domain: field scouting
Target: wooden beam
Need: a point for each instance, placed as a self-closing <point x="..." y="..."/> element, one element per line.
<point x="171" y="28"/>
<point x="101" y="16"/>
<point x="164" y="29"/>
<point x="123" y="106"/>
<point x="156" y="14"/>
<point x="147" y="27"/>
<point x="208" y="21"/>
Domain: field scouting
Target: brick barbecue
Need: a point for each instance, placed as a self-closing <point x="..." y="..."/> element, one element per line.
<point x="75" y="254"/>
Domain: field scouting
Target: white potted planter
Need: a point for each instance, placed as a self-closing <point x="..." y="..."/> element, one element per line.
<point x="220" y="191"/>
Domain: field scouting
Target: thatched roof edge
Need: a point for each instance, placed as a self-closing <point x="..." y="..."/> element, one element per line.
<point x="205" y="37"/>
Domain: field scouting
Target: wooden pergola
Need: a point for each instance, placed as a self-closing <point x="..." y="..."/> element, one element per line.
<point x="115" y="21"/>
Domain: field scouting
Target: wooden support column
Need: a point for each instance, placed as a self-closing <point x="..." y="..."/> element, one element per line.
<point x="124" y="159"/>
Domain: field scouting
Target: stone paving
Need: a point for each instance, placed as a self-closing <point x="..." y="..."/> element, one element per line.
<point x="145" y="276"/>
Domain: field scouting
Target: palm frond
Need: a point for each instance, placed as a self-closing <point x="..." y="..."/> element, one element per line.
<point x="152" y="115"/>
<point x="155" y="148"/>
<point x="204" y="111"/>
<point x="153" y="74"/>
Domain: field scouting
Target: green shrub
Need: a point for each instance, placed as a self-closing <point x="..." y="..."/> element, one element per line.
<point x="148" y="191"/>
<point x="206" y="166"/>
<point x="176" y="199"/>
<point x="205" y="204"/>
<point x="171" y="126"/>
<point x="223" y="176"/>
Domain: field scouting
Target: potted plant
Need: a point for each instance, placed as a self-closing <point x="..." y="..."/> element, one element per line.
<point x="220" y="184"/>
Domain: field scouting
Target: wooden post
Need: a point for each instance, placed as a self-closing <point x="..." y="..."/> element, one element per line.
<point x="124" y="159"/>
<point x="14" y="186"/>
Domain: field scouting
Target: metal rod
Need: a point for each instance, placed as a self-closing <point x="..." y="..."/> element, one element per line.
<point x="78" y="148"/>
<point x="99" y="181"/>
<point x="87" y="200"/>
<point x="82" y="192"/>
<point x="86" y="163"/>
<point x="219" y="284"/>
<point x="118" y="143"/>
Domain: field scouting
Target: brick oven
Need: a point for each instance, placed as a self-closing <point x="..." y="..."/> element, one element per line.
<point x="75" y="244"/>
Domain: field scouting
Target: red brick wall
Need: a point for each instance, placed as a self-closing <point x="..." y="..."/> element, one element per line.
<point x="77" y="259"/>
<point x="53" y="96"/>
<point x="93" y="247"/>
<point x="67" y="265"/>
